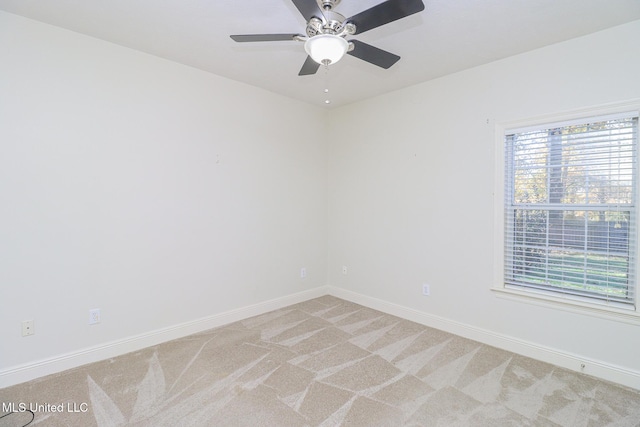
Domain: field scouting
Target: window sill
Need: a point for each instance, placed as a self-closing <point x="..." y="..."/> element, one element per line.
<point x="567" y="303"/>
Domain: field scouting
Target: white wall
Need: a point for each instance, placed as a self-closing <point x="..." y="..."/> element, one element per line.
<point x="156" y="192"/>
<point x="411" y="183"/>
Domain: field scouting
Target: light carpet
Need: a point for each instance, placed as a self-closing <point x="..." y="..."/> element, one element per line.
<point x="324" y="362"/>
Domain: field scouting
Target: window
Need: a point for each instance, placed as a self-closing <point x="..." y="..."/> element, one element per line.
<point x="570" y="210"/>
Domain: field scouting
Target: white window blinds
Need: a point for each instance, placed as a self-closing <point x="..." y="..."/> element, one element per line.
<point x="570" y="209"/>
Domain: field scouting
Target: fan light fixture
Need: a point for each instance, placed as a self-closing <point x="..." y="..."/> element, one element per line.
<point x="326" y="48"/>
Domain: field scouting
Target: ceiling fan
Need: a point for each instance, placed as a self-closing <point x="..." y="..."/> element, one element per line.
<point x="325" y="42"/>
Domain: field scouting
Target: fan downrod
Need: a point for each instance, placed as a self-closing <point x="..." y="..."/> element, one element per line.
<point x="328" y="4"/>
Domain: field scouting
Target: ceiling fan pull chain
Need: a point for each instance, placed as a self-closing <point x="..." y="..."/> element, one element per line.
<point x="326" y="84"/>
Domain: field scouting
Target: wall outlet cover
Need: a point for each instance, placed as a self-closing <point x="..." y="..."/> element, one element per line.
<point x="28" y="328"/>
<point x="426" y="290"/>
<point x="94" y="316"/>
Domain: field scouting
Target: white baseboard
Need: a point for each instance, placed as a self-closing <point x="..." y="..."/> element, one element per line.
<point x="30" y="371"/>
<point x="573" y="362"/>
<point x="27" y="372"/>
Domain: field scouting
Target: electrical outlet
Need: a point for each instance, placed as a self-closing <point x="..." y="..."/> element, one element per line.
<point x="426" y="291"/>
<point x="303" y="273"/>
<point x="94" y="316"/>
<point x="28" y="328"/>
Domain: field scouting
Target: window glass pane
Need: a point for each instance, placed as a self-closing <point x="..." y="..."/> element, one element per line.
<point x="570" y="209"/>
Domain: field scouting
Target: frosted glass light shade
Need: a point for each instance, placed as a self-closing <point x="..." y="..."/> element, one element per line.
<point x="326" y="47"/>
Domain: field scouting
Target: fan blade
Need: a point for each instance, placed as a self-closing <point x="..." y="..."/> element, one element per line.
<point x="309" y="67"/>
<point x="389" y="11"/>
<point x="264" y="37"/>
<point x="308" y="9"/>
<point x="373" y="55"/>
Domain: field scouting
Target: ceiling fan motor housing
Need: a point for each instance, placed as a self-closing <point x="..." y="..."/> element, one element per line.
<point x="333" y="23"/>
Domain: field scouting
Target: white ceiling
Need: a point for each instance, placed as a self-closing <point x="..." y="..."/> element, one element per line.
<point x="448" y="36"/>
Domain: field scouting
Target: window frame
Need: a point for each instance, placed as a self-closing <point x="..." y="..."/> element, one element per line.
<point x="623" y="312"/>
